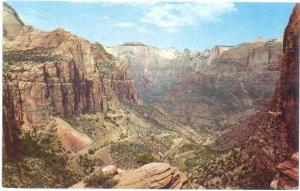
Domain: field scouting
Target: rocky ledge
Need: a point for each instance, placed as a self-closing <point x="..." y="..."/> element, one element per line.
<point x="150" y="176"/>
<point x="154" y="176"/>
<point x="288" y="178"/>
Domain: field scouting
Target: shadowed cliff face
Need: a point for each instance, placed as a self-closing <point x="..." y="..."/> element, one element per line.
<point x="287" y="94"/>
<point x="276" y="141"/>
<point x="282" y="129"/>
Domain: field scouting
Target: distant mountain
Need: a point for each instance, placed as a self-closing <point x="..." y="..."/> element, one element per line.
<point x="200" y="88"/>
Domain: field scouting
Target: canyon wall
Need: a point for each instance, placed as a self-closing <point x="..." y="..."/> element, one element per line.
<point x="226" y="83"/>
<point x="272" y="146"/>
<point x="286" y="100"/>
<point x="57" y="73"/>
<point x="280" y="136"/>
<point x="276" y="141"/>
<point x="154" y="70"/>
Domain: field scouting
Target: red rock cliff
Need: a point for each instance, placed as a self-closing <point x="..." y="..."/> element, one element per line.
<point x="60" y="73"/>
<point x="286" y="98"/>
<point x="277" y="137"/>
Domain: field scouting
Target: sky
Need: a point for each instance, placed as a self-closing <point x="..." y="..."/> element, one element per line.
<point x="172" y="23"/>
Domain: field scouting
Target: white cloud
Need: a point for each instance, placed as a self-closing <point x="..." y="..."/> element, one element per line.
<point x="167" y="14"/>
<point x="108" y="21"/>
<point x="171" y="16"/>
<point x="142" y="1"/>
<point x="130" y="25"/>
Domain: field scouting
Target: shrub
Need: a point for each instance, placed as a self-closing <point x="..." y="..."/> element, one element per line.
<point x="91" y="151"/>
<point x="88" y="164"/>
<point x="123" y="136"/>
<point x="145" y="158"/>
<point x="188" y="147"/>
<point x="99" y="179"/>
<point x="190" y="163"/>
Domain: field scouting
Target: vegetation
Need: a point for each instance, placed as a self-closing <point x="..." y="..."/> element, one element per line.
<point x="42" y="164"/>
<point x="190" y="163"/>
<point x="100" y="180"/>
<point x="88" y="165"/>
<point x="91" y="151"/>
<point x="123" y="136"/>
<point x="145" y="158"/>
<point x="188" y="147"/>
<point x="36" y="55"/>
<point x="219" y="170"/>
<point x="127" y="155"/>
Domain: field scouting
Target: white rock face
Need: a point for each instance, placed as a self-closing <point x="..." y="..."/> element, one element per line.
<point x="156" y="70"/>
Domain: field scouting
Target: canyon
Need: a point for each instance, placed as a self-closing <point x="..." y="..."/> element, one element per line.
<point x="137" y="116"/>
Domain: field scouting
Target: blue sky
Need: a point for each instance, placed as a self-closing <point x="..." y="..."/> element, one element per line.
<point x="172" y="23"/>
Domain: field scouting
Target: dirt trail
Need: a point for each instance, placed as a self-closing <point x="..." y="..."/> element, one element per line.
<point x="176" y="144"/>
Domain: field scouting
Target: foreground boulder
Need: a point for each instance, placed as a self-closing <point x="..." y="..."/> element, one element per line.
<point x="288" y="178"/>
<point x="153" y="176"/>
<point x="150" y="176"/>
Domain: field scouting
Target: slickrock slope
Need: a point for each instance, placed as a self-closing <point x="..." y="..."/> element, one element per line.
<point x="150" y="176"/>
<point x="71" y="139"/>
<point x="153" y="176"/>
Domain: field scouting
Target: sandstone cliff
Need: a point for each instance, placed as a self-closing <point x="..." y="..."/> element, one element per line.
<point x="66" y="72"/>
<point x="280" y="137"/>
<point x="57" y="73"/>
<point x="225" y="83"/>
<point x="287" y="96"/>
<point x="155" y="70"/>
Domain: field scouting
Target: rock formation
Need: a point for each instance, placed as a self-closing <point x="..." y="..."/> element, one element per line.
<point x="149" y="176"/>
<point x="281" y="133"/>
<point x="287" y="96"/>
<point x="60" y="70"/>
<point x="198" y="107"/>
<point x="154" y="70"/>
<point x="238" y="79"/>
<point x="288" y="177"/>
<point x="57" y="73"/>
<point x="153" y="176"/>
